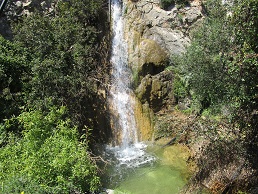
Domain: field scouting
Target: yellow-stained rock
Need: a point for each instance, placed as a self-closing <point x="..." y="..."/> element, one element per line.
<point x="151" y="52"/>
<point x="144" y="118"/>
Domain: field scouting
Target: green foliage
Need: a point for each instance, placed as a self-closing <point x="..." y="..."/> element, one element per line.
<point x="220" y="71"/>
<point x="52" y="61"/>
<point x="14" y="70"/>
<point x="66" y="56"/>
<point x="64" y="52"/>
<point x="217" y="68"/>
<point x="179" y="88"/>
<point x="245" y="21"/>
<point x="48" y="158"/>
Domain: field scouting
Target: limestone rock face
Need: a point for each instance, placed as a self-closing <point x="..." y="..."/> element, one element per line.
<point x="153" y="35"/>
<point x="144" y="120"/>
<point x="151" y="52"/>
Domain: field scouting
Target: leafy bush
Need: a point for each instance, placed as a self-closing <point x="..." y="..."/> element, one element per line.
<point x="203" y="66"/>
<point x="14" y="70"/>
<point x="179" y="88"/>
<point x="52" y="60"/>
<point x="66" y="61"/>
<point x="220" y="66"/>
<point x="220" y="69"/>
<point x="49" y="158"/>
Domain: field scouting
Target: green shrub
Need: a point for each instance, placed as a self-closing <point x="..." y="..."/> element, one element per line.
<point x="67" y="54"/>
<point x="179" y="88"/>
<point x="14" y="70"/>
<point x="49" y="158"/>
<point x="221" y="71"/>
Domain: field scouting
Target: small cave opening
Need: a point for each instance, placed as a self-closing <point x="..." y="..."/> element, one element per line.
<point x="151" y="68"/>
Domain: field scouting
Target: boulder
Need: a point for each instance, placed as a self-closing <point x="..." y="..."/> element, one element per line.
<point x="156" y="90"/>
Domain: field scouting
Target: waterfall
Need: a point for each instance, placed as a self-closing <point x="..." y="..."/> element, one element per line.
<point x="127" y="150"/>
<point x="127" y="154"/>
<point x="121" y="99"/>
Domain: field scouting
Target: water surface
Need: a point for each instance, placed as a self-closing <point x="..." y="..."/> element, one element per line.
<point x="167" y="174"/>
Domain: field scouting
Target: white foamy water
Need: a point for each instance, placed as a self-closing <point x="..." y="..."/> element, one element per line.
<point x="132" y="156"/>
<point x="120" y="98"/>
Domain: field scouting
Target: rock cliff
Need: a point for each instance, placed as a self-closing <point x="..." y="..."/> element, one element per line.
<point x="153" y="35"/>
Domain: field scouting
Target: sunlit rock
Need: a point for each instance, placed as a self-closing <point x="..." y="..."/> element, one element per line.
<point x="154" y="34"/>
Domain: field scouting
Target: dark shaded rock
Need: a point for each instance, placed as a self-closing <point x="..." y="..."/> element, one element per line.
<point x="5" y="28"/>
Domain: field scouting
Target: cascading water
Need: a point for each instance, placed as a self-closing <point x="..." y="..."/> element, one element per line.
<point x="128" y="151"/>
<point x="120" y="93"/>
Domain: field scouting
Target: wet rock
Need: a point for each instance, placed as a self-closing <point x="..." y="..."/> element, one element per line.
<point x="144" y="89"/>
<point x="144" y="120"/>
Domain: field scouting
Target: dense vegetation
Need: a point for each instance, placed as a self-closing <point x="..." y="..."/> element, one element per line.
<point x="50" y="156"/>
<point x="219" y="73"/>
<point x="47" y="96"/>
<point x="48" y="93"/>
